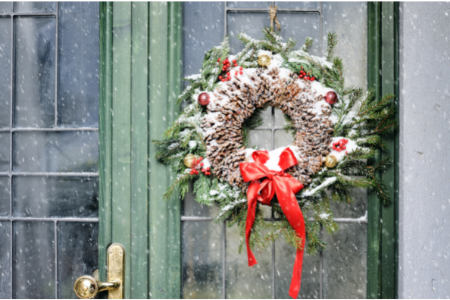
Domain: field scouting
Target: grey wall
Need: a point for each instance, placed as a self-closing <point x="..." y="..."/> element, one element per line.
<point x="424" y="229"/>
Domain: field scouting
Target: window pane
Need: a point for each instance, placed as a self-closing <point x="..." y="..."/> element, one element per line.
<point x="6" y="7"/>
<point x="356" y="209"/>
<point x="193" y="208"/>
<point x="284" y="263"/>
<point x="203" y="28"/>
<point x="78" y="53"/>
<point x="5" y="66"/>
<point x="4" y="151"/>
<point x="245" y="4"/>
<point x="55" y="196"/>
<point x="77" y="254"/>
<point x="241" y="280"/>
<point x="345" y="262"/>
<point x="4" y="196"/>
<point x="34" y="6"/>
<point x="56" y="151"/>
<point x="283" y="138"/>
<point x="298" y="5"/>
<point x="34" y="260"/>
<point x="296" y="25"/>
<point x="5" y="260"/>
<point x="202" y="260"/>
<point x="35" y="72"/>
<point x="261" y="139"/>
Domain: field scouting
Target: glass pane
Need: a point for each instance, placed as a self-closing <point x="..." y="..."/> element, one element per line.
<point x="78" y="53"/>
<point x="298" y="5"/>
<point x="283" y="138"/>
<point x="34" y="6"/>
<point x="266" y="116"/>
<point x="356" y="209"/>
<point x="55" y="196"/>
<point x="193" y="208"/>
<point x="260" y="139"/>
<point x="256" y="4"/>
<point x="296" y="25"/>
<point x="34" y="72"/>
<point x="4" y="196"/>
<point x="241" y="280"/>
<point x="4" y="151"/>
<point x="280" y="120"/>
<point x="202" y="260"/>
<point x="5" y="66"/>
<point x="349" y="21"/>
<point x="5" y="260"/>
<point x="77" y="254"/>
<point x="345" y="262"/>
<point x="203" y="26"/>
<point x="6" y="7"/>
<point x="34" y="260"/>
<point x="284" y="263"/>
<point x="56" y="151"/>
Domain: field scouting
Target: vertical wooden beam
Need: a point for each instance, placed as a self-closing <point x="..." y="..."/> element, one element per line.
<point x="374" y="205"/>
<point x="388" y="213"/>
<point x="105" y="134"/>
<point x="121" y="133"/>
<point x="383" y="220"/>
<point x="139" y="150"/>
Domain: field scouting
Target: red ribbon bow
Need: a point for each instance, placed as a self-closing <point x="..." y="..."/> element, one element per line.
<point x="285" y="187"/>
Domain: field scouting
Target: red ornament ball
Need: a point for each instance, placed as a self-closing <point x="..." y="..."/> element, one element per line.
<point x="203" y="99"/>
<point x="331" y="98"/>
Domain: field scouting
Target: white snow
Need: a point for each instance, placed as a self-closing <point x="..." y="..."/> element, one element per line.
<point x="325" y="183"/>
<point x="192" y="144"/>
<point x="194" y="76"/>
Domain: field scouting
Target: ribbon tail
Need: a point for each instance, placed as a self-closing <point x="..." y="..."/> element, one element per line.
<point x="294" y="215"/>
<point x="252" y="194"/>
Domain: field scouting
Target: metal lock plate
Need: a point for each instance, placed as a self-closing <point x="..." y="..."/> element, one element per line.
<point x="116" y="270"/>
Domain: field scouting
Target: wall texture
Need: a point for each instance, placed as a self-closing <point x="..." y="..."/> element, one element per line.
<point x="424" y="229"/>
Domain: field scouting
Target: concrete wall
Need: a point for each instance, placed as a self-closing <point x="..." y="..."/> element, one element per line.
<point x="424" y="242"/>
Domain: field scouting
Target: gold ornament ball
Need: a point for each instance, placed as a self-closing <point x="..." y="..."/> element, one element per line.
<point x="264" y="60"/>
<point x="330" y="161"/>
<point x="188" y="160"/>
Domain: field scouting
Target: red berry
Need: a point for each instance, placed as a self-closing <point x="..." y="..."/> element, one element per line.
<point x="220" y="77"/>
<point x="219" y="60"/>
<point x="201" y="164"/>
<point x="235" y="65"/>
<point x="223" y="80"/>
<point x="228" y="73"/>
<point x="313" y="78"/>
<point x="240" y="72"/>
<point x="300" y="76"/>
<point x="236" y="73"/>
<point x="306" y="78"/>
<point x="234" y="61"/>
<point x="208" y="168"/>
<point x="241" y="68"/>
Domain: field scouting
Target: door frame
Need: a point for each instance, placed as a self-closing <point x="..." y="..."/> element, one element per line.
<point x="130" y="192"/>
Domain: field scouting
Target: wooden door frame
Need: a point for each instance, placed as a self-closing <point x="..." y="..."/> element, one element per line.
<point x="132" y="113"/>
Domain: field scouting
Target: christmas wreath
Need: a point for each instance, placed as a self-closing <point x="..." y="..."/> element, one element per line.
<point x="335" y="128"/>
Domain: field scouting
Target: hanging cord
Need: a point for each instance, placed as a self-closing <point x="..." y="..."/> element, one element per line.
<point x="273" y="17"/>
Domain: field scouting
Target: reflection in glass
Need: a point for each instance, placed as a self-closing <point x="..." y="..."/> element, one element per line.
<point x="297" y="5"/>
<point x="345" y="262"/>
<point x="4" y="151"/>
<point x="5" y="260"/>
<point x="55" y="196"/>
<point x="202" y="260"/>
<point x="34" y="6"/>
<point x="5" y="66"/>
<point x="6" y="7"/>
<point x="297" y="25"/>
<point x="5" y="194"/>
<point x="56" y="151"/>
<point x="284" y="263"/>
<point x="34" y="260"/>
<point x="356" y="209"/>
<point x="78" y="53"/>
<point x="282" y="138"/>
<point x="34" y="72"/>
<point x="241" y="280"/>
<point x="77" y="254"/>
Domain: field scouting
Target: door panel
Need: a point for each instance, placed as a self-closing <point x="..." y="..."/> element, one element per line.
<point x="340" y="271"/>
<point x="49" y="54"/>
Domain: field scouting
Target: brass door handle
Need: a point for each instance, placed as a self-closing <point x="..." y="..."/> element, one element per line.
<point x="87" y="287"/>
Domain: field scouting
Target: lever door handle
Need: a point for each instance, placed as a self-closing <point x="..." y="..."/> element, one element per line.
<point x="87" y="287"/>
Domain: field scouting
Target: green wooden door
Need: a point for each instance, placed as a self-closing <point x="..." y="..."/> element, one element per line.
<point x="141" y="68"/>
